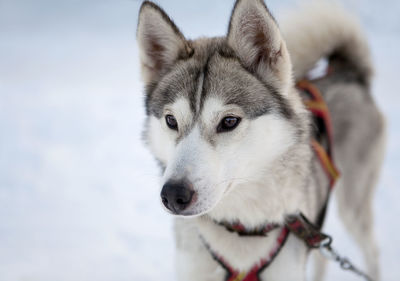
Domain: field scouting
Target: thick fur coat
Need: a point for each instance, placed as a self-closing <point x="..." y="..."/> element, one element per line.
<point x="232" y="135"/>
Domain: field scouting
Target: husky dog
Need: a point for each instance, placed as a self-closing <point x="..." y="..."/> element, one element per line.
<point x="232" y="135"/>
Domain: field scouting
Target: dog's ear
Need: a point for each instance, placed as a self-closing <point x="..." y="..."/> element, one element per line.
<point x="160" y="42"/>
<point x="255" y="37"/>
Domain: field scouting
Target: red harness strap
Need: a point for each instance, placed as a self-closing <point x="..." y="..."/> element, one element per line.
<point x="254" y="273"/>
<point x="241" y="230"/>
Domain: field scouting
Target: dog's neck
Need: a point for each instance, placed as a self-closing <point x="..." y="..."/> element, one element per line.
<point x="241" y="253"/>
<point x="282" y="192"/>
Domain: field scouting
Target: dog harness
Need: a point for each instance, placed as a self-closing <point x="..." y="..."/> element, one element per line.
<point x="316" y="104"/>
<point x="298" y="224"/>
<point x="253" y="274"/>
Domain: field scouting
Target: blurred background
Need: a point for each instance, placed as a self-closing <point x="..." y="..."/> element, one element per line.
<point x="79" y="194"/>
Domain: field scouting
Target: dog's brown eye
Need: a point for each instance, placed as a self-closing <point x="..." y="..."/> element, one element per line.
<point x="171" y="122"/>
<point x="228" y="124"/>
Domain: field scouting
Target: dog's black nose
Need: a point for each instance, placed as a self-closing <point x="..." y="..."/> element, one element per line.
<point x="176" y="196"/>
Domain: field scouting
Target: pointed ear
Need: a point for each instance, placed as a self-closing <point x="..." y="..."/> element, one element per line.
<point x="160" y="42"/>
<point x="256" y="39"/>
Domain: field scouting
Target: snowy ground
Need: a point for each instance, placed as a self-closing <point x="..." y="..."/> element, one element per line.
<point x="78" y="191"/>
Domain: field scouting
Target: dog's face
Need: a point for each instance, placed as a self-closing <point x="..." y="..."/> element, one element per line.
<point x="219" y="110"/>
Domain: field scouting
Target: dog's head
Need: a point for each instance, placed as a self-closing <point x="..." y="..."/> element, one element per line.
<point x="221" y="111"/>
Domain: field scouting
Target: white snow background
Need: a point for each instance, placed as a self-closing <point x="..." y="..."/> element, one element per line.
<point x="79" y="194"/>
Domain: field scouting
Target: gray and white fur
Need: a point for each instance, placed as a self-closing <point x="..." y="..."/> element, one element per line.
<point x="262" y="168"/>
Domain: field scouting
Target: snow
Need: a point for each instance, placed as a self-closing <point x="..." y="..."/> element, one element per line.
<point x="78" y="190"/>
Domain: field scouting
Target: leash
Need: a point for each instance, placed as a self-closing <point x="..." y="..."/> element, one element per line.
<point x="298" y="224"/>
<point x="345" y="264"/>
<point x="315" y="239"/>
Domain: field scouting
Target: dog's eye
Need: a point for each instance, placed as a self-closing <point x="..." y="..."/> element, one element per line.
<point x="171" y="122"/>
<point x="228" y="124"/>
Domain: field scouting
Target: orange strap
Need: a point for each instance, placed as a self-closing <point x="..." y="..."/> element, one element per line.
<point x="326" y="163"/>
<point x="319" y="109"/>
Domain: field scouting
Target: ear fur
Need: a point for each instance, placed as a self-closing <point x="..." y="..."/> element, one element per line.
<point x="160" y="42"/>
<point x="255" y="37"/>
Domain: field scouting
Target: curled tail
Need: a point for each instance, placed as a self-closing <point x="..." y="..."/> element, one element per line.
<point x="323" y="29"/>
